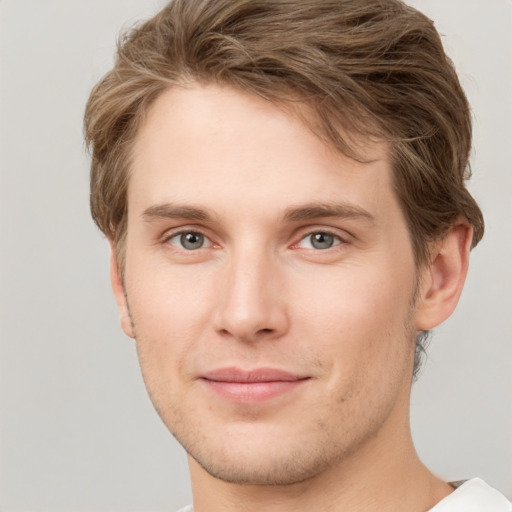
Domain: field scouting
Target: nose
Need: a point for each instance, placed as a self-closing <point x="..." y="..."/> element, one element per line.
<point x="251" y="304"/>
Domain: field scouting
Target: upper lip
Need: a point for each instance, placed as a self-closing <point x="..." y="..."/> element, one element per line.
<point x="238" y="375"/>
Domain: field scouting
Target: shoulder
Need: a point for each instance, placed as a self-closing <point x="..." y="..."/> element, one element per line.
<point x="474" y="496"/>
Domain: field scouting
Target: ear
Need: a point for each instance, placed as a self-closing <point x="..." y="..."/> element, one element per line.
<point x="443" y="279"/>
<point x="119" y="293"/>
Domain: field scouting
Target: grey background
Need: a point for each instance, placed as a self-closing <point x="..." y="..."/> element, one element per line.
<point x="77" y="431"/>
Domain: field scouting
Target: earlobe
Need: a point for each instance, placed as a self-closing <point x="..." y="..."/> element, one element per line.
<point x="119" y="294"/>
<point x="444" y="277"/>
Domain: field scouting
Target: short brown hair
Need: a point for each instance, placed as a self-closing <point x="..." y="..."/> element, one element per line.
<point x="364" y="67"/>
<point x="371" y="68"/>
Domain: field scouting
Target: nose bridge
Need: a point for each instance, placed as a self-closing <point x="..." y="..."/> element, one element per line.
<point x="250" y="305"/>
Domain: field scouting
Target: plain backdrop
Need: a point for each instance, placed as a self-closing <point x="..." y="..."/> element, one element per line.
<point x="77" y="431"/>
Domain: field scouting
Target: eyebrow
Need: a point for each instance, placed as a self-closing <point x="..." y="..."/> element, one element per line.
<point x="173" y="211"/>
<point x="293" y="214"/>
<point x="323" y="210"/>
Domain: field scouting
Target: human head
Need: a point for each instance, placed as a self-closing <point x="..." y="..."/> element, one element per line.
<point x="225" y="282"/>
<point x="349" y="68"/>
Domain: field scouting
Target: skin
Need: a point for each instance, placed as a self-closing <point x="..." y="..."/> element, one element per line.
<point x="260" y="293"/>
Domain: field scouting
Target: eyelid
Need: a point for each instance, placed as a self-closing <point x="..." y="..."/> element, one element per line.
<point x="343" y="236"/>
<point x="191" y="228"/>
<point x="178" y="236"/>
<point x="336" y="241"/>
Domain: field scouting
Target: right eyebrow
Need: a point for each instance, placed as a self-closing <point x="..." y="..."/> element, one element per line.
<point x="175" y="211"/>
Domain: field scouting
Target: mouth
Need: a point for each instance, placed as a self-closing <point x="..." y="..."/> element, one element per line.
<point x="252" y="386"/>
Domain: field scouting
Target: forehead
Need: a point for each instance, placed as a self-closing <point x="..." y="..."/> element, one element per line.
<point x="216" y="144"/>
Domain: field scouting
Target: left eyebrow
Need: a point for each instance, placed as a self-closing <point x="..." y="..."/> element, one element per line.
<point x="322" y="210"/>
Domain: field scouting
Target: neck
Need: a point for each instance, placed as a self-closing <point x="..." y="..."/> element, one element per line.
<point x="384" y="475"/>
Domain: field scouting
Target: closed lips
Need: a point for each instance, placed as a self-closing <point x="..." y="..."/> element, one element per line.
<point x="236" y="375"/>
<point x="251" y="386"/>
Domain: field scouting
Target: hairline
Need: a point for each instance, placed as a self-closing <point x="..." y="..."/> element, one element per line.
<point x="300" y="108"/>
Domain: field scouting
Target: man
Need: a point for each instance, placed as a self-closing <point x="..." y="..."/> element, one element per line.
<point x="283" y="188"/>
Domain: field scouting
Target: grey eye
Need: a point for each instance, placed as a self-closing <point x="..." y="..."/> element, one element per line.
<point x="319" y="241"/>
<point x="188" y="240"/>
<point x="322" y="240"/>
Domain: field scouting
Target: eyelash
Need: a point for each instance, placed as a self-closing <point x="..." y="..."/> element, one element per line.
<point x="184" y="232"/>
<point x="337" y="240"/>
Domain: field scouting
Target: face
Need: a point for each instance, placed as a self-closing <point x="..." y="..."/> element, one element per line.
<point x="270" y="284"/>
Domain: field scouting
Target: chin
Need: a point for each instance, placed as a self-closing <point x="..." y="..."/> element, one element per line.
<point x="262" y="469"/>
<point x="261" y="458"/>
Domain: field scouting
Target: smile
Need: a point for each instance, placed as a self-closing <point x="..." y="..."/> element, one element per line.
<point x="253" y="386"/>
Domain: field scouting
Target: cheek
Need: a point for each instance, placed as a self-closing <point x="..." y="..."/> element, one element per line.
<point x="163" y="296"/>
<point x="360" y="316"/>
<point x="364" y="344"/>
<point x="170" y="313"/>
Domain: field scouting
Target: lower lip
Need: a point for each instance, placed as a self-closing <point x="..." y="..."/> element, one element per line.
<point x="252" y="392"/>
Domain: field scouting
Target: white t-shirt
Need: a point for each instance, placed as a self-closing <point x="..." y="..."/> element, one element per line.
<point x="472" y="496"/>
